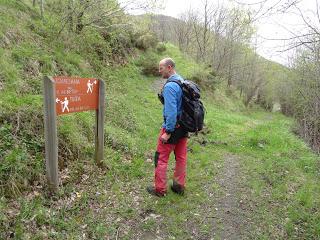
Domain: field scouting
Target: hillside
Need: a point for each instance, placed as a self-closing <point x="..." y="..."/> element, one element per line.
<point x="226" y="45"/>
<point x="248" y="175"/>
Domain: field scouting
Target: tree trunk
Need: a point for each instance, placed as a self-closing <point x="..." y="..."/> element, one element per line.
<point x="230" y="74"/>
<point x="79" y="25"/>
<point x="70" y="15"/>
<point x="42" y="8"/>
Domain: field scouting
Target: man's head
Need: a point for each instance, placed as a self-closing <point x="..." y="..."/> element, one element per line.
<point x="167" y="67"/>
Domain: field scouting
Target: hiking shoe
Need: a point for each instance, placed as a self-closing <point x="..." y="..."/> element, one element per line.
<point x="177" y="188"/>
<point x="153" y="191"/>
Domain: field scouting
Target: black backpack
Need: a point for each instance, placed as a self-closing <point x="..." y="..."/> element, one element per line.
<point x="192" y="116"/>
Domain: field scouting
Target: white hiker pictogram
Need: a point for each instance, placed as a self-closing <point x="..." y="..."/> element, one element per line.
<point x="64" y="104"/>
<point x="90" y="86"/>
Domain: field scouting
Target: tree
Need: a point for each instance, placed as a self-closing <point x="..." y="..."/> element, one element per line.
<point x="41" y="6"/>
<point x="183" y="31"/>
<point x="305" y="84"/>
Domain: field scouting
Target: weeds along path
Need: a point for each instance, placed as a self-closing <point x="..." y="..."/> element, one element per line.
<point x="232" y="206"/>
<point x="95" y="203"/>
<point x="158" y="84"/>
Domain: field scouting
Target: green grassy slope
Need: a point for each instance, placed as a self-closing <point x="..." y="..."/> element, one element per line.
<point x="277" y="184"/>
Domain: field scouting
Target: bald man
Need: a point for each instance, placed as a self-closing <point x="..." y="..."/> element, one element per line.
<point x="172" y="137"/>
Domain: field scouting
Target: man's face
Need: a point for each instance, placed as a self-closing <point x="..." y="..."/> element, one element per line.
<point x="164" y="70"/>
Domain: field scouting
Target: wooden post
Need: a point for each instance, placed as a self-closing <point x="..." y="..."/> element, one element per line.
<point x="99" y="130"/>
<point x="50" y="127"/>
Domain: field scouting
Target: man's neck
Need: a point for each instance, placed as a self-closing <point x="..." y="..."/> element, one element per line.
<point x="172" y="73"/>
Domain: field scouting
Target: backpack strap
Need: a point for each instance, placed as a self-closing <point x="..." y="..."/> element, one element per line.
<point x="175" y="81"/>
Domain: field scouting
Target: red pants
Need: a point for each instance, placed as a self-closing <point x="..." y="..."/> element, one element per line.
<point x="161" y="163"/>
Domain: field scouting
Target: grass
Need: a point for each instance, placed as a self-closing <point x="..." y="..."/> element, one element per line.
<point x="114" y="202"/>
<point x="283" y="173"/>
<point x="99" y="204"/>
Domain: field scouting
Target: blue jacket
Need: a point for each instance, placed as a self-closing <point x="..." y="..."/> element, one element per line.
<point x="172" y="107"/>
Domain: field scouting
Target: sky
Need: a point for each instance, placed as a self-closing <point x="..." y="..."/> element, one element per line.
<point x="274" y="25"/>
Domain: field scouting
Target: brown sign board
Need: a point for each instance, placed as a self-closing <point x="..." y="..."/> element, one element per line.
<point x="74" y="94"/>
<point x="64" y="95"/>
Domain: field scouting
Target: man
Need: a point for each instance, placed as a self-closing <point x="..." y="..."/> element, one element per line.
<point x="172" y="137"/>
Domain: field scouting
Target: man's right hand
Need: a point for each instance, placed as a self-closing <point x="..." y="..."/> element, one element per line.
<point x="165" y="137"/>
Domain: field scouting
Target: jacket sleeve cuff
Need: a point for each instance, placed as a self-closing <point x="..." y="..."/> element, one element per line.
<point x="168" y="132"/>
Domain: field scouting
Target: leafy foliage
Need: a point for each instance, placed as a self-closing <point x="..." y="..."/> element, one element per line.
<point x="146" y="41"/>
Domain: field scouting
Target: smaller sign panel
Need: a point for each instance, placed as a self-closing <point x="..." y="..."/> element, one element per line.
<point x="75" y="94"/>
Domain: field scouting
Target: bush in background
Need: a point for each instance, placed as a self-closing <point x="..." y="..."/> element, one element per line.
<point x="204" y="78"/>
<point x="149" y="64"/>
<point x="146" y="41"/>
<point x="161" y="47"/>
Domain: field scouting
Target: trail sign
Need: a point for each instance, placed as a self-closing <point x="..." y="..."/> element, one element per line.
<point x="64" y="95"/>
<point x="76" y="94"/>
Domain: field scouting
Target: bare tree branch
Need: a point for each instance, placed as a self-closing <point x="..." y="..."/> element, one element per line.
<point x="317" y="6"/>
<point x="306" y="22"/>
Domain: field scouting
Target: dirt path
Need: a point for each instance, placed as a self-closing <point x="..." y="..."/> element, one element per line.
<point x="158" y="84"/>
<point x="230" y="221"/>
<point x="229" y="208"/>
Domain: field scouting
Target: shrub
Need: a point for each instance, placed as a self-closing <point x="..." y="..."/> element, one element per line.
<point x="151" y="68"/>
<point x="146" y="41"/>
<point x="161" y="47"/>
<point x="204" y="78"/>
<point x="149" y="65"/>
<point x="21" y="150"/>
